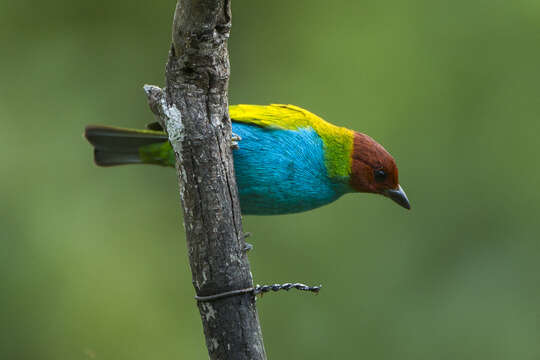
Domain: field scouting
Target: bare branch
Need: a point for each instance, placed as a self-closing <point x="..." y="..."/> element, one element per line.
<point x="193" y="108"/>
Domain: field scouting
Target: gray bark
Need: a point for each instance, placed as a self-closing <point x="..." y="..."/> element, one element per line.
<point x="194" y="110"/>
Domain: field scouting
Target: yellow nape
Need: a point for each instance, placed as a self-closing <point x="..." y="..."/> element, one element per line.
<point x="338" y="141"/>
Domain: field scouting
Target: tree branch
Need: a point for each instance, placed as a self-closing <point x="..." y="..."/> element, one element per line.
<point x="193" y="108"/>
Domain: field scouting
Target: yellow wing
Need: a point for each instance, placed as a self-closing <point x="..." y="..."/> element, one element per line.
<point x="287" y="117"/>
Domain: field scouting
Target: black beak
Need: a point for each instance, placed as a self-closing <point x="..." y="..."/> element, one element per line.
<point x="398" y="195"/>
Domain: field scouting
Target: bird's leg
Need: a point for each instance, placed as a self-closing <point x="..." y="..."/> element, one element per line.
<point x="234" y="141"/>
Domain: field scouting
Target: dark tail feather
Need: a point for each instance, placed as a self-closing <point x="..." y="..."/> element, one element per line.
<point x="117" y="146"/>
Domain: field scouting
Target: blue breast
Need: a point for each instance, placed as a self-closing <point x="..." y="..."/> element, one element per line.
<point x="282" y="171"/>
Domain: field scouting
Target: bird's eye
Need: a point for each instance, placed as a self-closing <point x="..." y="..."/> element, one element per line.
<point x="380" y="175"/>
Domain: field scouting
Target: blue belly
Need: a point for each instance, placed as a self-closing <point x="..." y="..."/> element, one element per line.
<point x="281" y="171"/>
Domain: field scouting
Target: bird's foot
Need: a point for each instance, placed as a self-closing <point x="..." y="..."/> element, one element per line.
<point x="234" y="141"/>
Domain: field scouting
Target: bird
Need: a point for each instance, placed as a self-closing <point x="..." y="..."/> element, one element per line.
<point x="288" y="160"/>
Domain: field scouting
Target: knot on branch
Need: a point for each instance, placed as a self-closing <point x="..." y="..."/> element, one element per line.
<point x="201" y="27"/>
<point x="167" y="115"/>
<point x="155" y="96"/>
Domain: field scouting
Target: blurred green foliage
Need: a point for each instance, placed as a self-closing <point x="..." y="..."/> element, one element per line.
<point x="93" y="261"/>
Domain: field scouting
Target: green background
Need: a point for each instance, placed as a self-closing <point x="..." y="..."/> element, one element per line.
<point x="93" y="261"/>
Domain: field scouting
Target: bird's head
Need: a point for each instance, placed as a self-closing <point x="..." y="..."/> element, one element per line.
<point x="374" y="170"/>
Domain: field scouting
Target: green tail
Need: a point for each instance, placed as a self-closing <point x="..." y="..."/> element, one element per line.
<point x="118" y="146"/>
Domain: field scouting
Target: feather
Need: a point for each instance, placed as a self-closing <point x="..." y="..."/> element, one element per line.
<point x="118" y="146"/>
<point x="338" y="141"/>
